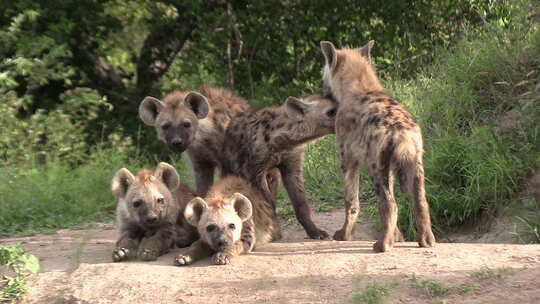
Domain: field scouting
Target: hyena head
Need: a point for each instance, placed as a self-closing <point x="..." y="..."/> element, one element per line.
<point x="219" y="221"/>
<point x="348" y="68"/>
<point x="146" y="198"/>
<point x="176" y="119"/>
<point x="313" y="116"/>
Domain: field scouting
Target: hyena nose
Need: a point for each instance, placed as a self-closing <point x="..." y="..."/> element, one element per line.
<point x="177" y="143"/>
<point x="223" y="243"/>
<point x="151" y="219"/>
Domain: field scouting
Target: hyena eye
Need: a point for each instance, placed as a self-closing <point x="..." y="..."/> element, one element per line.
<point x="187" y="124"/>
<point x="160" y="200"/>
<point x="331" y="113"/>
<point x="137" y="203"/>
<point x="166" y="125"/>
<point x="232" y="226"/>
<point x="211" y="228"/>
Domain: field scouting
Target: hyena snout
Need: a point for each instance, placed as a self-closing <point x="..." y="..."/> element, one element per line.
<point x="152" y="219"/>
<point x="177" y="145"/>
<point x="222" y="243"/>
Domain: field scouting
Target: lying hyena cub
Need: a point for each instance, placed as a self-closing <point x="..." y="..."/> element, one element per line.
<point x="150" y="213"/>
<point x="195" y="122"/>
<point x="375" y="129"/>
<point x="257" y="142"/>
<point x="233" y="218"/>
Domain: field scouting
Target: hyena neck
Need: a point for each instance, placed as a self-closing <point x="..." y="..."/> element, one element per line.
<point x="363" y="83"/>
<point x="292" y="135"/>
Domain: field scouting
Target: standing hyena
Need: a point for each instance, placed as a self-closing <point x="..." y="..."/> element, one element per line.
<point x="150" y="213"/>
<point x="375" y="129"/>
<point x="195" y="122"/>
<point x="257" y="142"/>
<point x="233" y="218"/>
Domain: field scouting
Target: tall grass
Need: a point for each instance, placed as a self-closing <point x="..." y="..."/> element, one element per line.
<point x="46" y="198"/>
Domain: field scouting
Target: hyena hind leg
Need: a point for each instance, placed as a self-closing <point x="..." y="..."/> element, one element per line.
<point x="388" y="209"/>
<point x="352" y="201"/>
<point x="411" y="175"/>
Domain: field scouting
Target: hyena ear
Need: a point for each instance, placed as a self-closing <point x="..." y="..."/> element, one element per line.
<point x="167" y="174"/>
<point x="198" y="104"/>
<point x="242" y="205"/>
<point x="329" y="52"/>
<point x="194" y="210"/>
<point x="149" y="110"/>
<point x="366" y="49"/>
<point x="296" y="108"/>
<point x="121" y="182"/>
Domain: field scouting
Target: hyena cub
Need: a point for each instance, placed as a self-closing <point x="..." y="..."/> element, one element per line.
<point x="150" y="213"/>
<point x="257" y="142"/>
<point x="376" y="130"/>
<point x="195" y="122"/>
<point x="232" y="219"/>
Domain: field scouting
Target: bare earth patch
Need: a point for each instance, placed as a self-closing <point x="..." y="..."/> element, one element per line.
<point x="77" y="268"/>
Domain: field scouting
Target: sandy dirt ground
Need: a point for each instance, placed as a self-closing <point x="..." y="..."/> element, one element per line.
<point x="76" y="267"/>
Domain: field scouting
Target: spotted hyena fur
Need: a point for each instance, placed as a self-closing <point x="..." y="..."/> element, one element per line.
<point x="194" y="122"/>
<point x="233" y="218"/>
<point x="258" y="142"/>
<point x="150" y="213"/>
<point x="376" y="130"/>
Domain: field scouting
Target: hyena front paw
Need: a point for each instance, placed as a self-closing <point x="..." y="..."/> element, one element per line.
<point x="221" y="258"/>
<point x="120" y="254"/>
<point x="147" y="254"/>
<point x="183" y="260"/>
<point x="381" y="246"/>
<point x="318" y="234"/>
<point x="341" y="235"/>
<point x="426" y="239"/>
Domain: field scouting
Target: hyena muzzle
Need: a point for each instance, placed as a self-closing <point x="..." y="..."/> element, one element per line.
<point x="376" y="130"/>
<point x="232" y="219"/>
<point x="150" y="213"/>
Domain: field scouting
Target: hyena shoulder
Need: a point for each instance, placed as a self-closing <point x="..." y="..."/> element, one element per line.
<point x="224" y="105"/>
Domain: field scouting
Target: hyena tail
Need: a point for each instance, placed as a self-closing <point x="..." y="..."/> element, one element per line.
<point x="410" y="171"/>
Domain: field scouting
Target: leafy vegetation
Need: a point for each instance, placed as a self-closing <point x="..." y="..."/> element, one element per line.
<point x="438" y="290"/>
<point x="374" y="293"/>
<point x="485" y="273"/>
<point x="22" y="265"/>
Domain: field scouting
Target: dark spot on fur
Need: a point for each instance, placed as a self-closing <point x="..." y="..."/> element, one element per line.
<point x="364" y="99"/>
<point x="398" y="125"/>
<point x="374" y="120"/>
<point x="280" y="125"/>
<point x="385" y="159"/>
<point x="266" y="137"/>
<point x="376" y="100"/>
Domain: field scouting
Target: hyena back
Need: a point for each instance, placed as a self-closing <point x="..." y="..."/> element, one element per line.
<point x="376" y="130"/>
<point x="194" y="122"/>
<point x="150" y="213"/>
<point x="259" y="142"/>
<point x="232" y="219"/>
